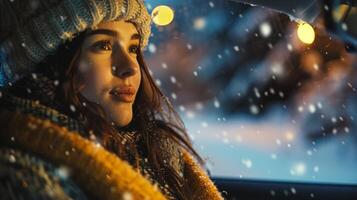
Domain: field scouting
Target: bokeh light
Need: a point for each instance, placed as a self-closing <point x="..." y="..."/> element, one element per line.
<point x="306" y="33"/>
<point x="162" y="15"/>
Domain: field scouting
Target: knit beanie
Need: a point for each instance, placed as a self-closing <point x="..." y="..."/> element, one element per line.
<point x="30" y="30"/>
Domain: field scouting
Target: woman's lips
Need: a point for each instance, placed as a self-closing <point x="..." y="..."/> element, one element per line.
<point x="124" y="94"/>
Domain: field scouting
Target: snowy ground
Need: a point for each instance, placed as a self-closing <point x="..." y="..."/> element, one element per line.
<point x="269" y="150"/>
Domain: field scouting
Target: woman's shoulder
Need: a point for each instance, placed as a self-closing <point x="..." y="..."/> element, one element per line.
<point x="170" y="146"/>
<point x="24" y="175"/>
<point x="10" y="102"/>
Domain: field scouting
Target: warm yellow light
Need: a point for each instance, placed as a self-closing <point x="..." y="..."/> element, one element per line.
<point x="162" y="15"/>
<point x="306" y="33"/>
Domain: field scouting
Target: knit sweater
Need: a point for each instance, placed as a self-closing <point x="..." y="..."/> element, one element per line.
<point x="45" y="155"/>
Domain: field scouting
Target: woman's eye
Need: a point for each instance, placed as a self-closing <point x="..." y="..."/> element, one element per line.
<point x="134" y="49"/>
<point x="104" y="45"/>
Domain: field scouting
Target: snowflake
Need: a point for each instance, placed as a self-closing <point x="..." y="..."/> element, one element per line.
<point x="189" y="46"/>
<point x="190" y="114"/>
<point x="216" y="103"/>
<point x="158" y="82"/>
<point x="344" y="26"/>
<point x="247" y="162"/>
<point x="182" y="108"/>
<point x="164" y="65"/>
<point x="12" y="158"/>
<point x="236" y="48"/>
<point x="73" y="108"/>
<point x="312" y="108"/>
<point x="300" y="108"/>
<point x="265" y="29"/>
<point x="63" y="172"/>
<point x="55" y="82"/>
<point x="298" y="169"/>
<point x="316" y="168"/>
<point x="211" y="4"/>
<point x="173" y="79"/>
<point x="254" y="109"/>
<point x="152" y="48"/>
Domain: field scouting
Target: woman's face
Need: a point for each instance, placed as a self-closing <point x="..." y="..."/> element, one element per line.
<point x="109" y="69"/>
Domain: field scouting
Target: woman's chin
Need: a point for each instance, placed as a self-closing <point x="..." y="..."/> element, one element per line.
<point x="123" y="119"/>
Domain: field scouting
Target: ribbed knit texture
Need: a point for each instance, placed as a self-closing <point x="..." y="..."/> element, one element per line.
<point x="33" y="29"/>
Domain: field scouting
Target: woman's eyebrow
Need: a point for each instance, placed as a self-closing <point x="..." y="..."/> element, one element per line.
<point x="103" y="31"/>
<point x="112" y="33"/>
<point x="135" y="36"/>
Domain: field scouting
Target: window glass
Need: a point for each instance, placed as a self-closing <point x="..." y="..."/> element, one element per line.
<point x="257" y="101"/>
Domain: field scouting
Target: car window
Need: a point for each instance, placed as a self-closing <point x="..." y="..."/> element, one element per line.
<point x="263" y="95"/>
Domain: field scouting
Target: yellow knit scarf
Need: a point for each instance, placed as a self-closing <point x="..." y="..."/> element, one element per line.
<point x="100" y="173"/>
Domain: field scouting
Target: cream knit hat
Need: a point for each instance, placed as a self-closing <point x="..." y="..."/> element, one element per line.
<point x="32" y="29"/>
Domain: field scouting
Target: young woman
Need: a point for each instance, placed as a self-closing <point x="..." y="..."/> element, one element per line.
<point x="80" y="115"/>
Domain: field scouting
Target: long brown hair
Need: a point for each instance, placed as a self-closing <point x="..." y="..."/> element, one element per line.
<point x="153" y="116"/>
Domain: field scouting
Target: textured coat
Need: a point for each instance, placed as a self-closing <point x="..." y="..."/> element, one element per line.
<point x="48" y="160"/>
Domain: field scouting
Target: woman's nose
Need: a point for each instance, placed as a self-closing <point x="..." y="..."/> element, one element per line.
<point x="124" y="71"/>
<point x="124" y="66"/>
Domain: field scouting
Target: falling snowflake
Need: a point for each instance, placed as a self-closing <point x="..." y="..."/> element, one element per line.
<point x="312" y="108"/>
<point x="164" y="65"/>
<point x="63" y="172"/>
<point x="300" y="108"/>
<point x="254" y="109"/>
<point x="211" y="4"/>
<point x="73" y="108"/>
<point x="277" y="68"/>
<point x="173" y="79"/>
<point x="189" y="46"/>
<point x="298" y="169"/>
<point x="316" y="169"/>
<point x="152" y="48"/>
<point x="265" y="29"/>
<point x="158" y="82"/>
<point x="289" y="46"/>
<point x="247" y="162"/>
<point x="182" y="108"/>
<point x="236" y="48"/>
<point x="55" y="82"/>
<point x="216" y="103"/>
<point x="12" y="158"/>
<point x="344" y="26"/>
